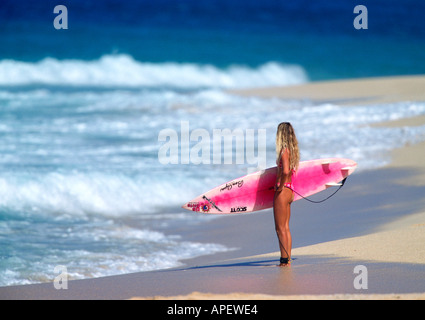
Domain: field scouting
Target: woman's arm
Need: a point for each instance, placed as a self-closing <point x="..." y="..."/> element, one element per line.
<point x="285" y="163"/>
<point x="282" y="170"/>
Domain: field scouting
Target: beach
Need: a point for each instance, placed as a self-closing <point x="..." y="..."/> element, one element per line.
<point x="376" y="221"/>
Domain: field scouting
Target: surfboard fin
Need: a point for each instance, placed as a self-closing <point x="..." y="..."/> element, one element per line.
<point x="333" y="184"/>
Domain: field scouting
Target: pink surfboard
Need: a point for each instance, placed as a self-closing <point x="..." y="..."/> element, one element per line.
<point x="255" y="191"/>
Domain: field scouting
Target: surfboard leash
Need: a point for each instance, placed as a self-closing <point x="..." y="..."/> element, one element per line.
<point x="320" y="201"/>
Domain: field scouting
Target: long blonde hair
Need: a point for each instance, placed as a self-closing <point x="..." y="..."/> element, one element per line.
<point x="286" y="139"/>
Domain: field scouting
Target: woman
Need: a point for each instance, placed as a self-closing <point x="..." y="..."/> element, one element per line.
<point x="288" y="157"/>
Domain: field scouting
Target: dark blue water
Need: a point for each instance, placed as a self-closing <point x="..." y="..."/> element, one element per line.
<point x="318" y="35"/>
<point x="81" y="110"/>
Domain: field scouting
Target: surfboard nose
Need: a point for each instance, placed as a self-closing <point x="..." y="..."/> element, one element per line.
<point x="189" y="205"/>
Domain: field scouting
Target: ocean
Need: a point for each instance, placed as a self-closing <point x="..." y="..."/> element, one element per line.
<point x="82" y="184"/>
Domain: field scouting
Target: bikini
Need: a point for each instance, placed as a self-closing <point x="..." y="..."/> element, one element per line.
<point x="287" y="184"/>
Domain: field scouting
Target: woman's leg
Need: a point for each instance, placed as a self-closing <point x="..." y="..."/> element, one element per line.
<point x="282" y="214"/>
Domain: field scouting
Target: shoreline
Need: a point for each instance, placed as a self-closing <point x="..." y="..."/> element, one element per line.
<point x="347" y="92"/>
<point x="362" y="226"/>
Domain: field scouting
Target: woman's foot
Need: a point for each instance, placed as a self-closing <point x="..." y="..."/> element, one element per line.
<point x="285" y="262"/>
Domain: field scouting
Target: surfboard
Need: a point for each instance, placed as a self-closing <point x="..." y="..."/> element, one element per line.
<point x="255" y="191"/>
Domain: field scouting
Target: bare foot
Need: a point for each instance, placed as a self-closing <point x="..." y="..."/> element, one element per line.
<point x="285" y="262"/>
<point x="284" y="265"/>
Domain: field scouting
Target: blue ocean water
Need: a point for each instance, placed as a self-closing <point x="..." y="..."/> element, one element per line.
<point x="81" y="109"/>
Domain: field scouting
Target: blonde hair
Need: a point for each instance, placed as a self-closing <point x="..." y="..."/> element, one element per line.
<point x="286" y="139"/>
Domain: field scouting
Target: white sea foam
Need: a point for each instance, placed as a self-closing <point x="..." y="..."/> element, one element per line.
<point x="82" y="195"/>
<point x="91" y="249"/>
<point x="124" y="71"/>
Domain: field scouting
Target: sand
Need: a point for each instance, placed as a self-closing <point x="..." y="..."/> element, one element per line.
<point x="349" y="92"/>
<point x="401" y="241"/>
<point x="255" y="296"/>
<point x="377" y="221"/>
